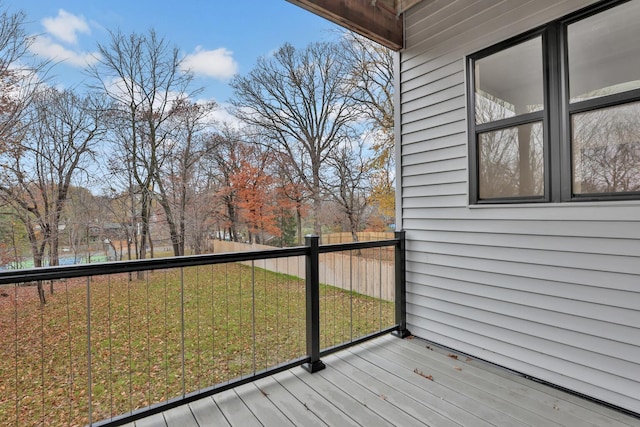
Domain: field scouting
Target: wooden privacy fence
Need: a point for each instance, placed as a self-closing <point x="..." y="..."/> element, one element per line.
<point x="363" y="236"/>
<point x="373" y="275"/>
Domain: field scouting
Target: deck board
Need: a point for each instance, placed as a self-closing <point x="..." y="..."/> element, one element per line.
<point x="313" y="401"/>
<point x="393" y="382"/>
<point x="427" y="400"/>
<point x="377" y="403"/>
<point x="156" y="420"/>
<point x="234" y="410"/>
<point x="180" y="416"/>
<point x="258" y="403"/>
<point x="538" y="407"/>
<point x="207" y="413"/>
<point x="497" y="404"/>
<point x="291" y="407"/>
<point x="563" y="408"/>
<point x="342" y="401"/>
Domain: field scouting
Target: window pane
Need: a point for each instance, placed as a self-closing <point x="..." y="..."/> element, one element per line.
<point x="509" y="83"/>
<point x="606" y="150"/>
<point x="511" y="162"/>
<point x="604" y="53"/>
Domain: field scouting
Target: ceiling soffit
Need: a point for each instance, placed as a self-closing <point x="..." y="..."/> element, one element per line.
<point x="379" y="20"/>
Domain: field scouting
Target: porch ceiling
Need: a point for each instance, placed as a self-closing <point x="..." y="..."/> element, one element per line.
<point x="379" y="20"/>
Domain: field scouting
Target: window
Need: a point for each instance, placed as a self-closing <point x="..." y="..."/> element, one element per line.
<point x="554" y="114"/>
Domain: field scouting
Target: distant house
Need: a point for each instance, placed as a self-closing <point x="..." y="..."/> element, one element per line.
<point x="518" y="126"/>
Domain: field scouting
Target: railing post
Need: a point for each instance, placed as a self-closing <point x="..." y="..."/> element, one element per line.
<point x="313" y="304"/>
<point x="401" y="288"/>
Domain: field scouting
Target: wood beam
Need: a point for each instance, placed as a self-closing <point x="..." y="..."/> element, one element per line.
<point x="365" y="17"/>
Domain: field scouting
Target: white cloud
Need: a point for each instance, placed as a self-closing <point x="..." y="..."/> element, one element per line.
<point x="222" y="116"/>
<point x="66" y="26"/>
<point x="45" y="47"/>
<point x="217" y="63"/>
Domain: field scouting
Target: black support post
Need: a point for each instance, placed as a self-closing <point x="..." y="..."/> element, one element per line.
<point x="401" y="288"/>
<point x="313" y="305"/>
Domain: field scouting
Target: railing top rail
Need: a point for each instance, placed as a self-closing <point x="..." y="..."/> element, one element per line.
<point x="339" y="247"/>
<point x="114" y="267"/>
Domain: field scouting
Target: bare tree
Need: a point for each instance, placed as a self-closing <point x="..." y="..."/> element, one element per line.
<point x="297" y="99"/>
<point x="224" y="157"/>
<point x="143" y="76"/>
<point x="349" y="187"/>
<point x="606" y="157"/>
<point x="38" y="171"/>
<point x="371" y="81"/>
<point x="19" y="80"/>
<point x="292" y="189"/>
<point x="181" y="155"/>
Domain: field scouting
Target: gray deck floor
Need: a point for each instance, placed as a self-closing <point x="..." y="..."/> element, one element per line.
<point x="393" y="382"/>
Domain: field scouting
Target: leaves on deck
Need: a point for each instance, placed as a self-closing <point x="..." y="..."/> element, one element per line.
<point x="422" y="374"/>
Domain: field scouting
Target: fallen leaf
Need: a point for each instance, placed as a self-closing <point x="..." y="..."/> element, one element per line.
<point x="422" y="374"/>
<point x="453" y="356"/>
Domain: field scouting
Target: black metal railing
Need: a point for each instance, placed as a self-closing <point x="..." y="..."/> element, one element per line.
<point x="117" y="342"/>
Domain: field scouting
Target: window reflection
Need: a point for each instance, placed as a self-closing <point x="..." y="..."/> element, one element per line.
<point x="509" y="83"/>
<point x="606" y="150"/>
<point x="604" y="53"/>
<point x="511" y="162"/>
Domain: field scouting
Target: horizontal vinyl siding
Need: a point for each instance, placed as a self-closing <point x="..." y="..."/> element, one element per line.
<point x="550" y="290"/>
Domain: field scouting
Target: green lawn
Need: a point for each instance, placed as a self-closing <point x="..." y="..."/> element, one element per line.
<point x="236" y="321"/>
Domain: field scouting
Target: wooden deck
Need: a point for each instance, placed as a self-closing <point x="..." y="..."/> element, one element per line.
<point x="393" y="382"/>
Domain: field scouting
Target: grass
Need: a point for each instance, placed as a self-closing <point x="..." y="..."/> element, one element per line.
<point x="237" y="320"/>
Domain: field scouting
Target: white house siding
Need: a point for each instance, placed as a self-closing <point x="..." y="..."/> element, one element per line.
<point x="551" y="290"/>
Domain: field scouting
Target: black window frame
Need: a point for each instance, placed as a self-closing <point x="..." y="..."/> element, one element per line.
<point x="555" y="115"/>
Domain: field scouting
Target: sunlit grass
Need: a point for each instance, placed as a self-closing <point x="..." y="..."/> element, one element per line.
<point x="237" y="320"/>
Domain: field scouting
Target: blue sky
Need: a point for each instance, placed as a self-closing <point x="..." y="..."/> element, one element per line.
<point x="218" y="38"/>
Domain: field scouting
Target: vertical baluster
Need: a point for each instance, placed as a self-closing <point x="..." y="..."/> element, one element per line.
<point x="43" y="308"/>
<point x="197" y="386"/>
<point x="129" y="346"/>
<point x="90" y="387"/>
<point x="166" y="342"/>
<point x="277" y="289"/>
<point x="182" y="352"/>
<point x="266" y="322"/>
<point x="226" y="327"/>
<point x="214" y="361"/>
<point x="17" y="358"/>
<point x="380" y="287"/>
<point x="150" y="397"/>
<point x="253" y="314"/>
<point x="69" y="343"/>
<point x="351" y="273"/>
<point x="110" y="347"/>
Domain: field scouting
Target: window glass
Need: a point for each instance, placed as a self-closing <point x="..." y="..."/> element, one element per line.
<point x="509" y="82"/>
<point x="511" y="162"/>
<point x="604" y="53"/>
<point x="606" y="150"/>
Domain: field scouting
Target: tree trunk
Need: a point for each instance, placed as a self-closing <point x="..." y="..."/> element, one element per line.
<point x="525" y="169"/>
<point x="299" y="224"/>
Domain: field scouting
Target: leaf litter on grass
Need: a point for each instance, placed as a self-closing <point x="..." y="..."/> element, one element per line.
<point x="233" y="325"/>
